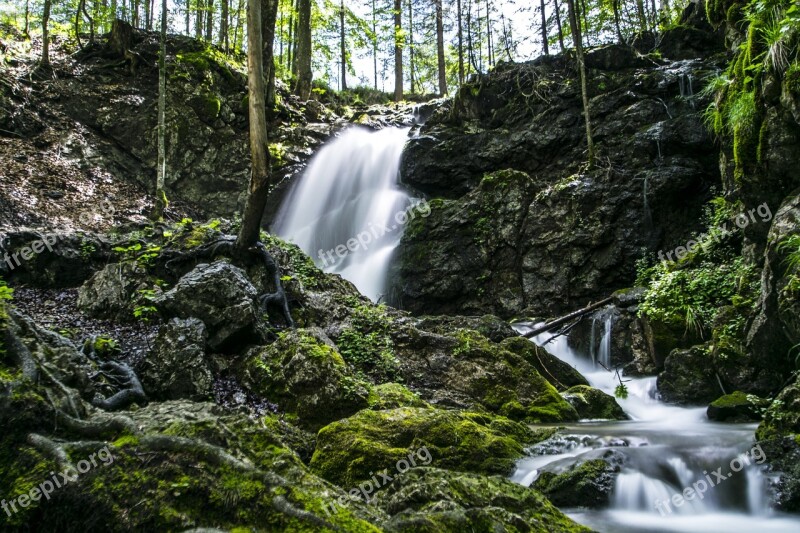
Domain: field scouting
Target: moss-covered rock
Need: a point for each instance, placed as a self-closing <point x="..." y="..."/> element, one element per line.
<point x="356" y="448"/>
<point x="593" y="403"/>
<point x="393" y="395"/>
<point x="560" y="374"/>
<point x="306" y="376"/>
<point x="431" y="500"/>
<point x="736" y="407"/>
<point x="782" y="417"/>
<point x="586" y="484"/>
<point x="688" y="377"/>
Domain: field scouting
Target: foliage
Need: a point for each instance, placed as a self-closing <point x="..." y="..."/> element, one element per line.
<point x="367" y="345"/>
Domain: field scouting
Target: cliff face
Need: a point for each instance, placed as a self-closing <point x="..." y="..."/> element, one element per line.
<point x="554" y="234"/>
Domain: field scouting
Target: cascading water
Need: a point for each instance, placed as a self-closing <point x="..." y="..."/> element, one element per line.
<point x="666" y="449"/>
<point x="343" y="210"/>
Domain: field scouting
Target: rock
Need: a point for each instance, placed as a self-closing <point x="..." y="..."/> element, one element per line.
<point x="782" y="417"/>
<point x="625" y="298"/>
<point x="109" y="292"/>
<point x="736" y="407"/>
<point x="593" y="403"/>
<point x="688" y="377"/>
<point x="432" y="500"/>
<point x="615" y="57"/>
<point x="354" y="449"/>
<point x="489" y="326"/>
<point x="782" y="456"/>
<point x="221" y="296"/>
<point x="560" y="374"/>
<point x="585" y="484"/>
<point x="304" y="374"/>
<point x="177" y="367"/>
<point x="393" y="395"/>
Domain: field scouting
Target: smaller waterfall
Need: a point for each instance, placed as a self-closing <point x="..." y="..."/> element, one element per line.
<point x="601" y="353"/>
<point x="347" y="210"/>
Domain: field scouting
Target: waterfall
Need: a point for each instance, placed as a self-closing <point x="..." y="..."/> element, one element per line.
<point x="346" y="211"/>
<point x="601" y="353"/>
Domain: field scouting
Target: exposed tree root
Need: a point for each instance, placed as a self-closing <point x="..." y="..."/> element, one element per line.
<point x="131" y="390"/>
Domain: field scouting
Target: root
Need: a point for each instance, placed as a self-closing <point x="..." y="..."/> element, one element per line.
<point x="132" y="391"/>
<point x="52" y="450"/>
<point x="282" y="505"/>
<point x="106" y="428"/>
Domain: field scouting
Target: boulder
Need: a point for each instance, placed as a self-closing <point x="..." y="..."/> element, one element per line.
<point x="393" y="395"/>
<point x="354" y="449"/>
<point x="221" y="296"/>
<point x="736" y="407"/>
<point x="109" y="293"/>
<point x="593" y="403"/>
<point x="432" y="500"/>
<point x="560" y="374"/>
<point x="585" y="484"/>
<point x="177" y="367"/>
<point x="689" y="377"/>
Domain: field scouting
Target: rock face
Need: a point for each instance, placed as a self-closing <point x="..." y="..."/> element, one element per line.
<point x="220" y="295"/>
<point x="177" y="367"/>
<point x="593" y="403"/>
<point x="689" y="378"/>
<point x="517" y="225"/>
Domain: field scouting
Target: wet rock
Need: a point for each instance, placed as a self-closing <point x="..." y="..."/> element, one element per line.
<point x="177" y="367"/>
<point x="393" y="395"/>
<point x="109" y="292"/>
<point x="736" y="407"/>
<point x="783" y="462"/>
<point x="782" y="417"/>
<point x="354" y="449"/>
<point x="430" y="500"/>
<point x="593" y="403"/>
<point x="586" y="484"/>
<point x="221" y="296"/>
<point x="689" y="377"/>
<point x="560" y="374"/>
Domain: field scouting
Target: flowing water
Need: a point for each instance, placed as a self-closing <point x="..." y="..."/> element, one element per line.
<point x="343" y="211"/>
<point x="665" y="450"/>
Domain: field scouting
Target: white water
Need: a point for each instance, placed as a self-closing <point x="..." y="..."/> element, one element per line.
<point x="666" y="449"/>
<point x="350" y="194"/>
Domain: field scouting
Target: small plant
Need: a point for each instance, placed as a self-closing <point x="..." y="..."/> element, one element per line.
<point x="87" y="249"/>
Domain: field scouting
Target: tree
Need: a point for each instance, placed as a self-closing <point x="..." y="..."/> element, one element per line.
<point x="544" y="29"/>
<point x="303" y="56"/>
<point x="161" y="171"/>
<point x="269" y="17"/>
<point x="440" y="49"/>
<point x="343" y="46"/>
<point x="259" y="152"/>
<point x="45" y="34"/>
<point x="398" y="51"/>
<point x="209" y="20"/>
<point x="460" y="45"/>
<point x="223" y="26"/>
<point x="576" y="39"/>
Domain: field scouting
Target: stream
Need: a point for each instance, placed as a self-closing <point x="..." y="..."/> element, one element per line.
<point x="665" y="450"/>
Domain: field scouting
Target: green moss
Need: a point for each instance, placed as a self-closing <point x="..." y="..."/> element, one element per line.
<point x="582" y="484"/>
<point x="502" y="178"/>
<point x="211" y="107"/>
<point x="594" y="404"/>
<point x="367" y="344"/>
<point x="354" y="449"/>
<point x="392" y="396"/>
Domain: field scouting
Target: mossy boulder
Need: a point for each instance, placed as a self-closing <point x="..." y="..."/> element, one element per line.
<point x="688" y="377"/>
<point x="393" y="395"/>
<point x="593" y="403"/>
<point x="354" y="449"/>
<point x="560" y="374"/>
<point x="586" y="484"/>
<point x="782" y="417"/>
<point x="432" y="500"/>
<point x="304" y="374"/>
<point x="736" y="407"/>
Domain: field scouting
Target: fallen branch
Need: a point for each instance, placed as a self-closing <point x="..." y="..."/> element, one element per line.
<point x="567" y="318"/>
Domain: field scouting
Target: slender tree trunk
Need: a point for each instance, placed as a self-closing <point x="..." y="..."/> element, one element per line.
<point x="290" y="43"/>
<point x="135" y="13"/>
<point x="411" y="45"/>
<point x="259" y="153"/>
<point x="223" y="25"/>
<point x="45" y="33"/>
<point x="161" y="172"/>
<point x="78" y="24"/>
<point x="188" y="11"/>
<point x="398" y="51"/>
<point x="640" y="14"/>
<point x="506" y="38"/>
<point x="615" y="6"/>
<point x="560" y="29"/>
<point x="489" y="52"/>
<point x="440" y="49"/>
<point x="269" y="16"/>
<point x="152" y="14"/>
<point x="238" y="34"/>
<point x="343" y="47"/>
<point x="147" y="14"/>
<point x="375" y="45"/>
<point x="576" y="39"/>
<point x="544" y="29"/>
<point x="198" y="20"/>
<point x="90" y="19"/>
<point x="460" y="45"/>
<point x="27" y="18"/>
<point x="304" y="75"/>
<point x="585" y="18"/>
<point x="470" y="48"/>
<point x="209" y="20"/>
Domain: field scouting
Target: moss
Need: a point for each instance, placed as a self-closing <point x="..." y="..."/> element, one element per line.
<point x="502" y="178"/>
<point x="392" y="396"/>
<point x="367" y="343"/>
<point x="585" y="484"/>
<point x="593" y="403"/>
<point x="354" y="449"/>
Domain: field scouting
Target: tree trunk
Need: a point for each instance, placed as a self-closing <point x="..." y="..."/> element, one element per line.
<point x="209" y="20"/>
<point x="198" y="20"/>
<point x="615" y="6"/>
<point x="558" y="24"/>
<point x="470" y="49"/>
<point x="398" y="51"/>
<point x="440" y="49"/>
<point x="566" y="318"/>
<point x="289" y="44"/>
<point x="343" y="47"/>
<point x="259" y="153"/>
<point x="576" y="39"/>
<point x="223" y="25"/>
<point x="188" y="18"/>
<point x="304" y="75"/>
<point x="238" y="37"/>
<point x="411" y="45"/>
<point x="147" y="14"/>
<point x="544" y="29"/>
<point x="375" y="45"/>
<point x="640" y="14"/>
<point x="45" y="33"/>
<point x="460" y="46"/>
<point x="161" y="196"/>
<point x="269" y="16"/>
<point x="489" y="52"/>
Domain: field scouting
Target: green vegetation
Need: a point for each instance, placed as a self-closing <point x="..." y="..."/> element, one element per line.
<point x="367" y="344"/>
